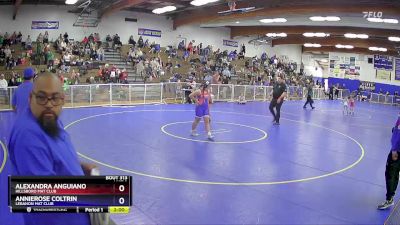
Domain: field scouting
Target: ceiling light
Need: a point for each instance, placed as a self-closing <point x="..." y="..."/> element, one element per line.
<point x="202" y="2"/>
<point x="375" y="20"/>
<point x="361" y="36"/>
<point x="237" y="22"/>
<point x="324" y="60"/>
<point x="70" y="2"/>
<point x="164" y="9"/>
<point x="332" y="18"/>
<point x="317" y="18"/>
<point x="390" y="21"/>
<point x="378" y="49"/>
<point x="350" y="35"/>
<point x="321" y="35"/>
<point x="380" y="20"/>
<point x="373" y="48"/>
<point x="276" y="35"/>
<point x="280" y="20"/>
<point x="316" y="35"/>
<point x="344" y="46"/>
<point x="309" y="45"/>
<point x="325" y="18"/>
<point x="276" y="20"/>
<point x="394" y="39"/>
<point x="308" y="34"/>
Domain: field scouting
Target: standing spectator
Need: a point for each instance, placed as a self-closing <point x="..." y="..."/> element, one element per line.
<point x="309" y="96"/>
<point x="3" y="88"/>
<point x="46" y="38"/>
<point x="21" y="96"/>
<point x="331" y="88"/>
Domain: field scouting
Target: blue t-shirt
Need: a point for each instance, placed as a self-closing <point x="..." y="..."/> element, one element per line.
<point x="20" y="98"/>
<point x="34" y="153"/>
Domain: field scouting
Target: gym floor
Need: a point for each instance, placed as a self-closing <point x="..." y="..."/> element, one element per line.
<point x="318" y="167"/>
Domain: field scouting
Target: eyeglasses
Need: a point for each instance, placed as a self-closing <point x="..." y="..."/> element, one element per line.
<point x="42" y="99"/>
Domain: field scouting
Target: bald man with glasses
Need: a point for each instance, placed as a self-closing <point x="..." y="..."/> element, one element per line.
<point x="39" y="146"/>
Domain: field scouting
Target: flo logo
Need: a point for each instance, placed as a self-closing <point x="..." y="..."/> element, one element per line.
<point x="373" y="14"/>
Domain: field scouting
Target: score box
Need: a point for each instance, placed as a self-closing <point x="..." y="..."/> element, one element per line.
<point x="44" y="192"/>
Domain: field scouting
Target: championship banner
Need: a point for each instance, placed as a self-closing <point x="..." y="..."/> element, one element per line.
<point x="231" y="43"/>
<point x="397" y="72"/>
<point x="148" y="32"/>
<point x="45" y="25"/>
<point x="383" y="74"/>
<point x="383" y="62"/>
<point x="75" y="194"/>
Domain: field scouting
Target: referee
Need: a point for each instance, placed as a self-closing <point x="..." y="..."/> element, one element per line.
<point x="278" y="95"/>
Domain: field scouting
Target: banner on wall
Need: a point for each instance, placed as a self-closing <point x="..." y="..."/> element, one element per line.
<point x="148" y="32"/>
<point x="397" y="72"/>
<point x="367" y="86"/>
<point x="383" y="74"/>
<point x="231" y="43"/>
<point x="344" y="66"/>
<point x="382" y="62"/>
<point x="45" y="25"/>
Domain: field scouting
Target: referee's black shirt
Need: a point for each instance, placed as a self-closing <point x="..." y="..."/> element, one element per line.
<point x="278" y="90"/>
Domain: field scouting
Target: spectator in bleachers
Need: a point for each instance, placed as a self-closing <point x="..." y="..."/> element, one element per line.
<point x="46" y="38"/>
<point x="40" y="38"/>
<point x="181" y="45"/>
<point x="123" y="76"/>
<point x="85" y="40"/>
<point x="140" y="68"/>
<point x="3" y="88"/>
<point x="100" y="54"/>
<point x="50" y="60"/>
<point x="6" y="39"/>
<point x="109" y="41"/>
<point x="12" y="82"/>
<point x="10" y="63"/>
<point x="132" y="41"/>
<point x="140" y="42"/>
<point x="66" y="39"/>
<point x="28" y="43"/>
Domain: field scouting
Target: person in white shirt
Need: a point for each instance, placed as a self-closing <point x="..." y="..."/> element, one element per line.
<point x="3" y="88"/>
<point x="7" y="52"/>
<point x="28" y="43"/>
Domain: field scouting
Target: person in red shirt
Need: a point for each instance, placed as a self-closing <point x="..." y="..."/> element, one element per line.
<point x="85" y="40"/>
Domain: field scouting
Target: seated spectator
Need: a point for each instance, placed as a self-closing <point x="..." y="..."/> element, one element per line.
<point x="181" y="45"/>
<point x="6" y="39"/>
<point x="123" y="76"/>
<point x="85" y="40"/>
<point x="132" y="41"/>
<point x="140" y="42"/>
<point x="10" y="63"/>
<point x="155" y="48"/>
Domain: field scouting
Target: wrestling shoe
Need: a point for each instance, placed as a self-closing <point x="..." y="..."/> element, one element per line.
<point x="386" y="204"/>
